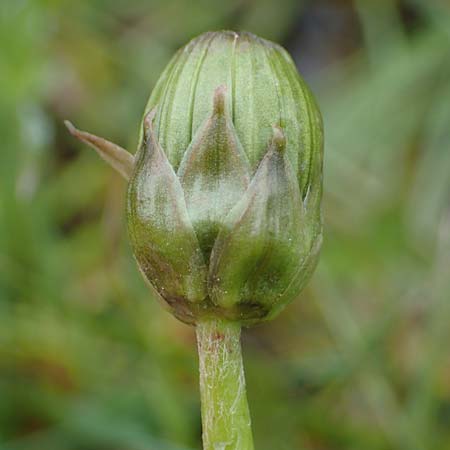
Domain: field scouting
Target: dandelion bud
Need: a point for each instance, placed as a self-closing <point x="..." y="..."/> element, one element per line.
<point x="224" y="194"/>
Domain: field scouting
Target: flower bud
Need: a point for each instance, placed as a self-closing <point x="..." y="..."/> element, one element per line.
<point x="224" y="194"/>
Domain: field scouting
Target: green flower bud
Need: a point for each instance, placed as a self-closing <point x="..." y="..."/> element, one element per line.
<point x="224" y="194"/>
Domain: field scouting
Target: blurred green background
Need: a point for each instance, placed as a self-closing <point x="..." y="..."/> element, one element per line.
<point x="89" y="361"/>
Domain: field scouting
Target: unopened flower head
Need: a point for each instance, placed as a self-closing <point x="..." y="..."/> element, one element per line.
<point x="224" y="194"/>
<point x="224" y="200"/>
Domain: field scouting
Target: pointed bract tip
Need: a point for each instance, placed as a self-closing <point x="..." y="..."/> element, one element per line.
<point x="114" y="155"/>
<point x="219" y="99"/>
<point x="278" y="138"/>
<point x="69" y="125"/>
<point x="148" y="122"/>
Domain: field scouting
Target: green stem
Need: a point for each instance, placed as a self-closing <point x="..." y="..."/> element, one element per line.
<point x="225" y="414"/>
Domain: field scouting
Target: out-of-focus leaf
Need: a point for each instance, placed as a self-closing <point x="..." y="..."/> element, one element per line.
<point x="430" y="195"/>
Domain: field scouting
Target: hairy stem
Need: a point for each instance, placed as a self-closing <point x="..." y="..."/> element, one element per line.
<point x="225" y="414"/>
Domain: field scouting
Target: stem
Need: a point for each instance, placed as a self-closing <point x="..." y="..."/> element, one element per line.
<point x="225" y="414"/>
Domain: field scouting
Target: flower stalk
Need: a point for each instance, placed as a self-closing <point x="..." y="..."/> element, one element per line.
<point x="225" y="413"/>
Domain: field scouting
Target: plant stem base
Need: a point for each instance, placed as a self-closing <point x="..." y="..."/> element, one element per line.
<point x="225" y="414"/>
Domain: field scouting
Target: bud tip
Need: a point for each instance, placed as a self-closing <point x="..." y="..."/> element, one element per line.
<point x="219" y="99"/>
<point x="278" y="138"/>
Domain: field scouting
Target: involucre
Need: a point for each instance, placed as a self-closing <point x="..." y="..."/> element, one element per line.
<point x="224" y="193"/>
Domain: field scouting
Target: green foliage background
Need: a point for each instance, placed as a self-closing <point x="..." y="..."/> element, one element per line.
<point x="88" y="361"/>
